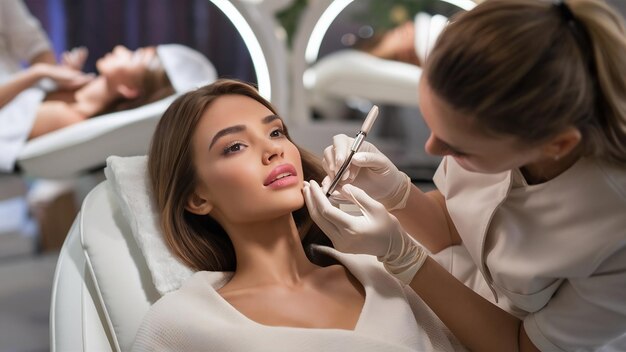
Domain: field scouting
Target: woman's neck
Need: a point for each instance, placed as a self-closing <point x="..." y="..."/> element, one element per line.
<point x="545" y="170"/>
<point x="94" y="97"/>
<point x="268" y="253"/>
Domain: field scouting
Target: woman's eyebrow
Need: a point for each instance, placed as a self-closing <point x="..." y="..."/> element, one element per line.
<point x="240" y="128"/>
<point x="270" y="118"/>
<point x="227" y="131"/>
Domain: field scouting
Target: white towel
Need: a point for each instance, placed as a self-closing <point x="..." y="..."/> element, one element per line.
<point x="129" y="180"/>
<point x="16" y="121"/>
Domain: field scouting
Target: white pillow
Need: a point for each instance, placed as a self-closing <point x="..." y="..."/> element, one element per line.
<point x="129" y="180"/>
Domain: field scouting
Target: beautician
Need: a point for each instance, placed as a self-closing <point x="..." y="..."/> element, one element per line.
<point x="522" y="247"/>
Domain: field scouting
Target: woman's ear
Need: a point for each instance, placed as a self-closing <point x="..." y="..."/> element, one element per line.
<point x="563" y="143"/>
<point x="198" y="204"/>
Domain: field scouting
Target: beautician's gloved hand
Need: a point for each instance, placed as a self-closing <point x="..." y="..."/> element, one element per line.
<point x="370" y="170"/>
<point x="376" y="232"/>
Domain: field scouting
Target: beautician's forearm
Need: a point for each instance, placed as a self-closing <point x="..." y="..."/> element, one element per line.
<point x="476" y="322"/>
<point x="26" y="78"/>
<point x="425" y="218"/>
<point x="20" y="82"/>
<point x="45" y="57"/>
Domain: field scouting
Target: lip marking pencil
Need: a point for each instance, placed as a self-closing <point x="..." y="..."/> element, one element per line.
<point x="358" y="140"/>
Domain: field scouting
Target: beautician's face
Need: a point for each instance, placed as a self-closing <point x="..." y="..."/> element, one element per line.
<point x="456" y="135"/>
<point x="126" y="66"/>
<point x="246" y="166"/>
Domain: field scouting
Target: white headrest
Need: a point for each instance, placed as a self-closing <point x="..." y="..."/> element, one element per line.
<point x="352" y="73"/>
<point x="186" y="68"/>
<point x="128" y="179"/>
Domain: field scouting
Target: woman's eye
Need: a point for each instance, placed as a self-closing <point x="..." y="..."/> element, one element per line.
<point x="277" y="133"/>
<point x="233" y="148"/>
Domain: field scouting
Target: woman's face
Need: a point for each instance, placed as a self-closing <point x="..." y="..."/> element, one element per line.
<point x="456" y="135"/>
<point x="246" y="167"/>
<point x="123" y="66"/>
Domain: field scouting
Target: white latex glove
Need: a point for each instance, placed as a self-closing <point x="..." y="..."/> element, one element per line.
<point x="376" y="232"/>
<point x="370" y="170"/>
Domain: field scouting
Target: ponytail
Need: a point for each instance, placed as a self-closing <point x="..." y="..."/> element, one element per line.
<point x="608" y="40"/>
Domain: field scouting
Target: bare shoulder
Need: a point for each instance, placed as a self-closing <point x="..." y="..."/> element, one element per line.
<point x="54" y="115"/>
<point x="56" y="107"/>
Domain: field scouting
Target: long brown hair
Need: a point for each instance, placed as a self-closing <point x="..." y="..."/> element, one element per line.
<point x="199" y="241"/>
<point x="524" y="68"/>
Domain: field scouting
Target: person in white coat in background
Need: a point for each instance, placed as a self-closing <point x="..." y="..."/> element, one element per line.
<point x="28" y="67"/>
<point x="26" y="56"/>
<point x="522" y="247"/>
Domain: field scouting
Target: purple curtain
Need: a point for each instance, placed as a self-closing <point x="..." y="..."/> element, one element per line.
<point x="99" y="25"/>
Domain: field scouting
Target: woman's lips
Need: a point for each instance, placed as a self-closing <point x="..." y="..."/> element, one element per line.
<point x="282" y="175"/>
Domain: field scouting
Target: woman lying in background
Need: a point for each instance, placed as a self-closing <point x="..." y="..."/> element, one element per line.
<point x="126" y="80"/>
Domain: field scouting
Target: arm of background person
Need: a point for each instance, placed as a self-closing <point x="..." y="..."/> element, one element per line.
<point x="45" y="57"/>
<point x="66" y="77"/>
<point x="18" y="83"/>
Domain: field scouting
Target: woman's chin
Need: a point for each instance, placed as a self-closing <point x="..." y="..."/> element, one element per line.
<point x="287" y="206"/>
<point x="297" y="203"/>
<point x="299" y="206"/>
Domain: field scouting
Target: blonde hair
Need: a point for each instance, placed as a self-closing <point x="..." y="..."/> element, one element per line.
<point x="200" y="241"/>
<point x="521" y="67"/>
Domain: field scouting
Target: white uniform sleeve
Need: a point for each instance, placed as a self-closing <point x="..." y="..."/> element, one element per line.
<point x="21" y="31"/>
<point x="585" y="313"/>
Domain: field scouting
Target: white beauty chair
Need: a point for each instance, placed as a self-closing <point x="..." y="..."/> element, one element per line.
<point x="354" y="74"/>
<point x="113" y="265"/>
<point x="102" y="286"/>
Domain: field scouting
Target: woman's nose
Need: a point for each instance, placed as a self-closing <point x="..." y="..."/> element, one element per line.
<point x="272" y="150"/>
<point x="435" y="147"/>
